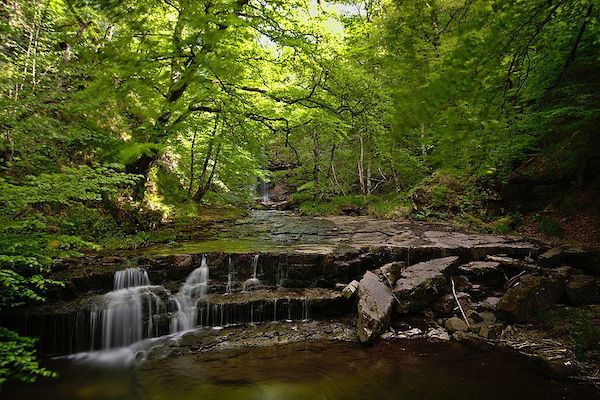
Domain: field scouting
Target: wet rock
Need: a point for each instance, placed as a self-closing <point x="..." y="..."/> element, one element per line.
<point x="588" y="260"/>
<point x="514" y="263"/>
<point x="529" y="297"/>
<point x="490" y="303"/>
<point x="410" y="333"/>
<point x="474" y="316"/>
<point x="182" y="260"/>
<point x="565" y="272"/>
<point x="374" y="307"/>
<point x="387" y="336"/>
<point x="447" y="304"/>
<point x="438" y="333"/>
<point x="490" y="331"/>
<point x="392" y="271"/>
<point x="350" y="290"/>
<point x="483" y="271"/>
<point x="461" y="282"/>
<point x="455" y="324"/>
<point x="423" y="283"/>
<point x="552" y="256"/>
<point x="488" y="317"/>
<point x="583" y="289"/>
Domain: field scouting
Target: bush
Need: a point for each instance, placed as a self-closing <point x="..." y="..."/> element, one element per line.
<point x="550" y="227"/>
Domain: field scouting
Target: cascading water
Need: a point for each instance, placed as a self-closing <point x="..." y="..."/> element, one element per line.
<point x="253" y="282"/>
<point x="120" y="318"/>
<point x="130" y="277"/>
<point x="192" y="290"/>
<point x="264" y="192"/>
<point x="228" y="287"/>
<point x="136" y="310"/>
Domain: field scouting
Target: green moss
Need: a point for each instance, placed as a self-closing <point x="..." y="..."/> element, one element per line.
<point x="440" y="195"/>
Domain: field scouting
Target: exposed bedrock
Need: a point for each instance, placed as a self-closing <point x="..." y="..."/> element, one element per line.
<point x="311" y="266"/>
<point x="423" y="283"/>
<point x="375" y="301"/>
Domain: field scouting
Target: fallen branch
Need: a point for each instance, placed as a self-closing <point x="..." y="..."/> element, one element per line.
<point x="512" y="280"/>
<point x="458" y="302"/>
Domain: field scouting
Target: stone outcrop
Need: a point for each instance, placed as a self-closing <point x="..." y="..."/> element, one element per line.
<point x="482" y="271"/>
<point x="529" y="297"/>
<point x="374" y="307"/>
<point x="447" y="304"/>
<point x="423" y="283"/>
<point x="551" y="257"/>
<point x="583" y="289"/>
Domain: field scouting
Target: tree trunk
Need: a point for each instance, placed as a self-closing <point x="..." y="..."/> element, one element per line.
<point x="141" y="166"/>
<point x="573" y="54"/>
<point x="317" y="157"/>
<point x="203" y="188"/>
<point x="361" y="166"/>
<point x="369" y="176"/>
<point x="192" y="155"/>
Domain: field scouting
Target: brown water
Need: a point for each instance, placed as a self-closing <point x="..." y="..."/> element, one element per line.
<point x="409" y="370"/>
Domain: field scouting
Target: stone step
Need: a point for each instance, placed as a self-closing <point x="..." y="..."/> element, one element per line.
<point x="291" y="270"/>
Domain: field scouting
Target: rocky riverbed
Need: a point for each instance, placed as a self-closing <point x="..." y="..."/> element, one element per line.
<point x="344" y="279"/>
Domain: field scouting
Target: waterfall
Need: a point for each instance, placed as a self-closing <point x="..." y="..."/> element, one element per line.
<point x="121" y="315"/>
<point x="228" y="288"/>
<point x="130" y="277"/>
<point x="192" y="290"/>
<point x="136" y="310"/>
<point x="253" y="282"/>
<point x="264" y="192"/>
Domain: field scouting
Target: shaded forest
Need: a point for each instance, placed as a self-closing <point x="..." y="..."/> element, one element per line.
<point x="121" y="119"/>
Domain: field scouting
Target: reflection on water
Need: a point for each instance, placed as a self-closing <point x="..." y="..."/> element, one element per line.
<point x="322" y="370"/>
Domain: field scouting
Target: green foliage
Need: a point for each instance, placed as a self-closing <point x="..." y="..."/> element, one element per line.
<point x="17" y="358"/>
<point x="399" y="105"/>
<point x="576" y="324"/>
<point x="550" y="227"/>
<point x="32" y="234"/>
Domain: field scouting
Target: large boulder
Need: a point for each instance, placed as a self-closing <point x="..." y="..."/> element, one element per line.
<point x="583" y="289"/>
<point x="375" y="301"/>
<point x="529" y="297"/>
<point x="423" y="283"/>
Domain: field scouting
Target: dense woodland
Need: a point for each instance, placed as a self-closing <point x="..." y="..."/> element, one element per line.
<point x="120" y="116"/>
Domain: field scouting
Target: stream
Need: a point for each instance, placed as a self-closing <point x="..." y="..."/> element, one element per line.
<point x="408" y="370"/>
<point x="262" y="325"/>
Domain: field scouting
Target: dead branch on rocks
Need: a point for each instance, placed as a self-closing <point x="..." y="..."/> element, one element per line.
<point x="458" y="302"/>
